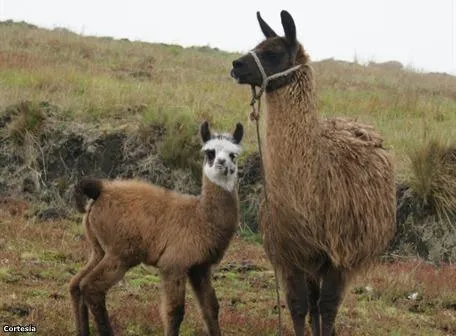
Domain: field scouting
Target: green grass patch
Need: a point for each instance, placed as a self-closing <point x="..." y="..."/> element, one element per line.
<point x="180" y="146"/>
<point x="8" y="275"/>
<point x="53" y="256"/>
<point x="39" y="293"/>
<point x="146" y="280"/>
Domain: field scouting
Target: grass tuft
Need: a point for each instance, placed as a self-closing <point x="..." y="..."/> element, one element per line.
<point x="433" y="178"/>
<point x="180" y="145"/>
<point x="28" y="119"/>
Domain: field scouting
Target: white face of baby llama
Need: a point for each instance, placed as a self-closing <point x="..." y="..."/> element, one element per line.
<point x="221" y="151"/>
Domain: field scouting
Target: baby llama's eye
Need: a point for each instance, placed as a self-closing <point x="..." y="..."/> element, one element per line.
<point x="233" y="157"/>
<point x="210" y="153"/>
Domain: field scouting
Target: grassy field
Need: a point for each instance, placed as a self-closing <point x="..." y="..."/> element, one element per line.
<point x="38" y="259"/>
<point x="118" y="82"/>
<point x="106" y="80"/>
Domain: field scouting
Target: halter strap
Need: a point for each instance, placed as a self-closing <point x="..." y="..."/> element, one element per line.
<point x="265" y="77"/>
<point x="255" y="115"/>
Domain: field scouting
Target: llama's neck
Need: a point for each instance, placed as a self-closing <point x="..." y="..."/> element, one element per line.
<point x="292" y="135"/>
<point x="218" y="219"/>
<point x="218" y="203"/>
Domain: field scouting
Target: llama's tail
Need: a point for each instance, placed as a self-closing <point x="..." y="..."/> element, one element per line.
<point x="86" y="188"/>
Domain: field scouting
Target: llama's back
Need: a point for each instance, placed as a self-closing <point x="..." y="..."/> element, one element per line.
<point x="141" y="213"/>
<point x="358" y="193"/>
<point x="350" y="131"/>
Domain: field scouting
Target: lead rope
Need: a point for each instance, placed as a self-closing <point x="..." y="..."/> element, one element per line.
<point x="255" y="116"/>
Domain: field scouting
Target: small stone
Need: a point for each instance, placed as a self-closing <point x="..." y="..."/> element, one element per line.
<point x="413" y="296"/>
<point x="52" y="214"/>
<point x="28" y="185"/>
<point x="20" y="310"/>
<point x="91" y="149"/>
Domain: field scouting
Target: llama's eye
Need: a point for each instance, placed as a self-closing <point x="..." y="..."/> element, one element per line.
<point x="273" y="54"/>
<point x="210" y="153"/>
<point x="274" y="57"/>
<point x="233" y="157"/>
<point x="270" y="54"/>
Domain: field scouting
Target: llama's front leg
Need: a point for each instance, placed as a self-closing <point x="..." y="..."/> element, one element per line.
<point x="173" y="302"/>
<point x="332" y="289"/>
<point x="79" y="307"/>
<point x="314" y="313"/>
<point x="296" y="292"/>
<point x="201" y="283"/>
<point x="96" y="284"/>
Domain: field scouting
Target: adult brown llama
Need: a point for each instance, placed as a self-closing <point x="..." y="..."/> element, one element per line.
<point x="131" y="222"/>
<point x="330" y="183"/>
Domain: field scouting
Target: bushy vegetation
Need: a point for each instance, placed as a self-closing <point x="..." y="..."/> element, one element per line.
<point x="28" y="122"/>
<point x="427" y="203"/>
<point x="180" y="146"/>
<point x="433" y="179"/>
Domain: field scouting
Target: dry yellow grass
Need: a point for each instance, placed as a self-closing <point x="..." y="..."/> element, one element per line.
<point x="104" y="79"/>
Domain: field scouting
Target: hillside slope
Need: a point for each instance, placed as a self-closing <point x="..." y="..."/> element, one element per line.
<point x="109" y="80"/>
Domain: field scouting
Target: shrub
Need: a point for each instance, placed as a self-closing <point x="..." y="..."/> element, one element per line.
<point x="180" y="145"/>
<point x="433" y="179"/>
<point x="28" y="119"/>
<point x="426" y="210"/>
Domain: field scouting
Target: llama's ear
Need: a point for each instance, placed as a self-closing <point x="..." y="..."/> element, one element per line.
<point x="238" y="133"/>
<point x="267" y="31"/>
<point x="288" y="26"/>
<point x="205" y="132"/>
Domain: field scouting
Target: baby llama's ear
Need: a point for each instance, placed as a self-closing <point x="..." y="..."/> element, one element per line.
<point x="205" y="132"/>
<point x="238" y="133"/>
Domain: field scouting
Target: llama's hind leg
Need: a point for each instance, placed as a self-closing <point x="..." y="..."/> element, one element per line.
<point x="173" y="302"/>
<point x="332" y="289"/>
<point x="201" y="283"/>
<point x="314" y="313"/>
<point x="79" y="306"/>
<point x="95" y="285"/>
<point x="296" y="292"/>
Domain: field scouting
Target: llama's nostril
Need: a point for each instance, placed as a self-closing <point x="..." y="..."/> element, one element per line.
<point x="237" y="64"/>
<point x="221" y="161"/>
